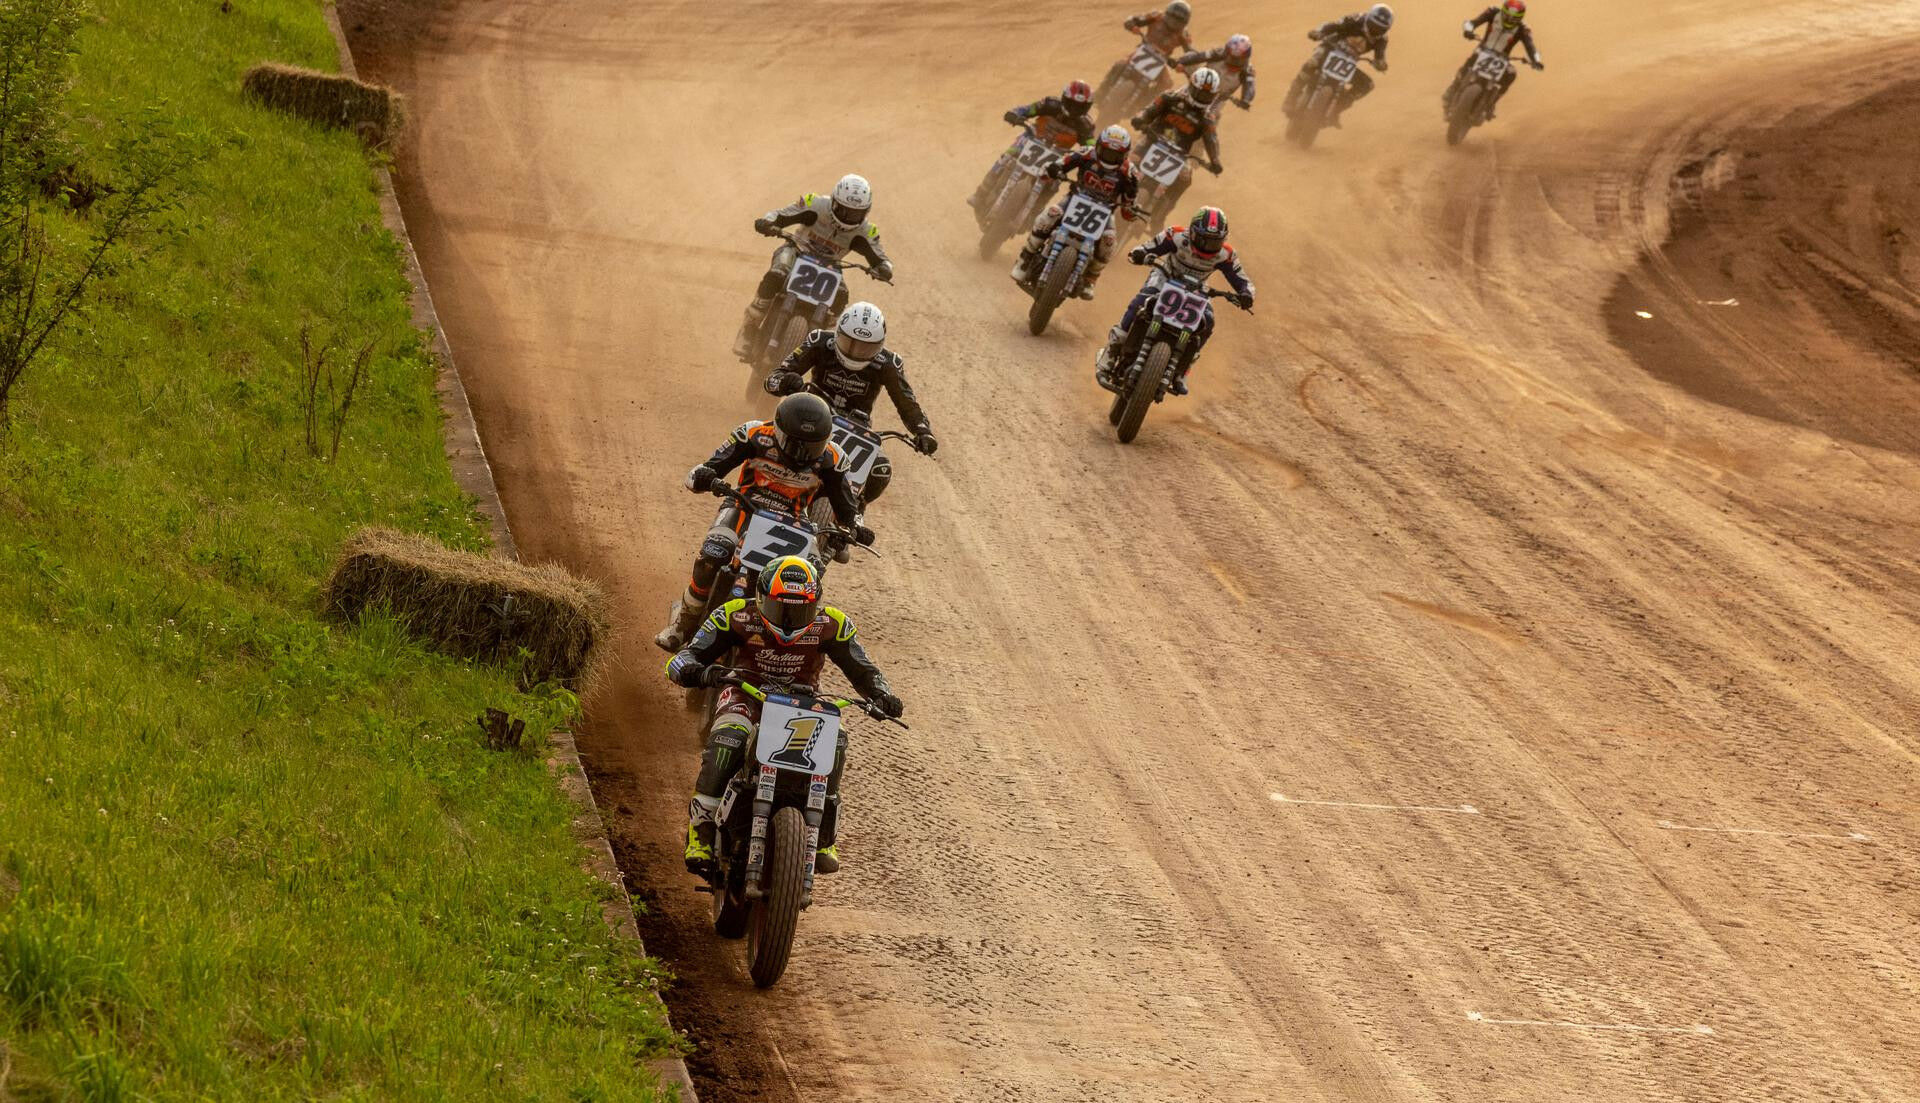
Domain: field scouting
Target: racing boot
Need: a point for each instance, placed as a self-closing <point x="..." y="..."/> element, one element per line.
<point x="700" y="833"/>
<point x="1178" y="384"/>
<point x="827" y="859"/>
<point x="1103" y="367"/>
<point x="750" y="324"/>
<point x="682" y="620"/>
<point x="1023" y="267"/>
<point x="1090" y="277"/>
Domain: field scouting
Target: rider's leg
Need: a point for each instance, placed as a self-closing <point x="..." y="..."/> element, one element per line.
<point x="1357" y="91"/>
<point x="878" y="476"/>
<point x="716" y="551"/>
<point x="770" y="285"/>
<point x="1506" y="82"/>
<point x="828" y="859"/>
<point x="1300" y="82"/>
<point x="1179" y="384"/>
<point x="1117" y="336"/>
<point x="1102" y="253"/>
<point x="724" y="754"/>
<point x="1023" y="268"/>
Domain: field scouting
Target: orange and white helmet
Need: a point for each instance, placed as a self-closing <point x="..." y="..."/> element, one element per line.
<point x="788" y="597"/>
<point x="1203" y="86"/>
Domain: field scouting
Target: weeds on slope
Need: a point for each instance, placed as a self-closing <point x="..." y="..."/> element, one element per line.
<point x="245" y="854"/>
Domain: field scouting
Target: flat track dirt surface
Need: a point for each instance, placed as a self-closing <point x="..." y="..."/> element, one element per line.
<point x="1447" y="525"/>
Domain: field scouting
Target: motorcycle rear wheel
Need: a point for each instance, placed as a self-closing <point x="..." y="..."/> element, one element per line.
<point x="772" y="919"/>
<point x="1048" y="297"/>
<point x="1146" y="386"/>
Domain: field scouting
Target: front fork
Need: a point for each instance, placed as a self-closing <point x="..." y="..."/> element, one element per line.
<point x="755" y="887"/>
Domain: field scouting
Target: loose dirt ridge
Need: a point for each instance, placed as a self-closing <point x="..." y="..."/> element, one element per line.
<point x="1437" y="706"/>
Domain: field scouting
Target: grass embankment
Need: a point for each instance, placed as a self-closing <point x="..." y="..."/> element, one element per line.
<point x="244" y="854"/>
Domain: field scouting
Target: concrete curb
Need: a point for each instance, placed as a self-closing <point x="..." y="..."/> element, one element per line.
<point x="475" y="475"/>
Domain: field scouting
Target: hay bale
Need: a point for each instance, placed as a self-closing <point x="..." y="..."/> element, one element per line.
<point x="541" y="621"/>
<point x="372" y="112"/>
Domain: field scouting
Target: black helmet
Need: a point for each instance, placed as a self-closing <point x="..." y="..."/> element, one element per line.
<point x="802" y="423"/>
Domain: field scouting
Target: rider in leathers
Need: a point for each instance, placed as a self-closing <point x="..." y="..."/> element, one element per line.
<point x="1367" y="31"/>
<point x="1234" y="63"/>
<point x="1104" y="173"/>
<point x="828" y="227"/>
<point x="816" y="366"/>
<point x="1505" y="30"/>
<point x="1063" y="121"/>
<point x="1183" y="118"/>
<point x="784" y="465"/>
<point x="782" y="636"/>
<point x="1196" y="251"/>
<point x="1165" y="31"/>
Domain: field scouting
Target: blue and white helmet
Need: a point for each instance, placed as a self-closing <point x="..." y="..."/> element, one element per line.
<point x="1379" y="20"/>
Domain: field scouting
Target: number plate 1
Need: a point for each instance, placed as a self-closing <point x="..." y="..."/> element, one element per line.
<point x="812" y="283"/>
<point x="1339" y="67"/>
<point x="1162" y="163"/>
<point x="861" y="450"/>
<point x="768" y="537"/>
<point x="796" y="737"/>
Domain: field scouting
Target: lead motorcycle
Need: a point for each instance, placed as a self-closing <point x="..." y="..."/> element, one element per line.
<point x="767" y="830"/>
<point x="1469" y="102"/>
<point x="1161" y="344"/>
<point x="1313" y="107"/>
<point x="1063" y="264"/>
<point x="815" y="292"/>
<point x="1022" y="195"/>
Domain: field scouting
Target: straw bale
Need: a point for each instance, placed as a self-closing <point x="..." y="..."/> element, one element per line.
<point x="542" y="621"/>
<point x="374" y="113"/>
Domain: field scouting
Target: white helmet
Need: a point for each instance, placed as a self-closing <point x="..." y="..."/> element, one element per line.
<point x="1379" y="20"/>
<point x="852" y="199"/>
<point x="861" y="334"/>
<point x="1203" y="86"/>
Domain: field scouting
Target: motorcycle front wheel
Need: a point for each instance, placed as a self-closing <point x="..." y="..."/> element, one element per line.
<point x="1050" y="295"/>
<point x="772" y="919"/>
<point x="1146" y="387"/>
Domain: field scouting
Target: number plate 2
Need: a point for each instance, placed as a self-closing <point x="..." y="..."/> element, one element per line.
<point x="768" y="537"/>
<point x="795" y="737"/>
<point x="812" y="283"/>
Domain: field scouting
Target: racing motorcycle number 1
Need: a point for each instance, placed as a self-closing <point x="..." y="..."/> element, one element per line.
<point x="1085" y="217"/>
<point x="1489" y="66"/>
<point x="1163" y="163"/>
<point x="1037" y="157"/>
<point x="1147" y="62"/>
<point x="794" y="737"/>
<point x="768" y="537"/>
<point x="1182" y="309"/>
<point x="860" y="449"/>
<point x="1339" y="67"/>
<point x="811" y="282"/>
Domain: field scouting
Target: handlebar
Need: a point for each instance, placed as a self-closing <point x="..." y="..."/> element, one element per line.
<point x="836" y="265"/>
<point x="737" y="676"/>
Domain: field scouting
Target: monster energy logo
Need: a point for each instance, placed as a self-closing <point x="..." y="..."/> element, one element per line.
<point x="798" y="753"/>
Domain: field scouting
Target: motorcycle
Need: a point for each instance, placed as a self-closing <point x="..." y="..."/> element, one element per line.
<point x="1142" y="76"/>
<point x="1021" y="197"/>
<point x="1159" y="168"/>
<point x="1082" y="224"/>
<point x="813" y="292"/>
<point x="860" y="442"/>
<point x="767" y="830"/>
<point x="1161" y="343"/>
<point x="1315" y="105"/>
<point x="1470" y="100"/>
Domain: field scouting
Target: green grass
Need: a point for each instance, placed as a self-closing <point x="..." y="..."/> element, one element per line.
<point x="245" y="854"/>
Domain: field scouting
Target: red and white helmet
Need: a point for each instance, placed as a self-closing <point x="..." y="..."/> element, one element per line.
<point x="1207" y="233"/>
<point x="1113" y="146"/>
<point x="1240" y="48"/>
<point x="1512" y="12"/>
<point x="1078" y="97"/>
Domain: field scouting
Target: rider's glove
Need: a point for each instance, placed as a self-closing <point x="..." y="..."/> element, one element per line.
<point x="924" y="443"/>
<point x="765" y="226"/>
<point x="700" y="479"/>
<point x="1380" y="63"/>
<point x="862" y="535"/>
<point x="890" y="706"/>
<point x="1242" y="105"/>
<point x="1538" y="64"/>
<point x="1314" y="35"/>
<point x="687" y="671"/>
<point x="1139" y="122"/>
<point x="1242" y="300"/>
<point x="1466" y="31"/>
<point x="883" y="272"/>
<point x="710" y="676"/>
<point x="1056" y="170"/>
<point x="1013" y="118"/>
<point x="1137" y="255"/>
<point x="783" y="383"/>
<point x="1214" y="167"/>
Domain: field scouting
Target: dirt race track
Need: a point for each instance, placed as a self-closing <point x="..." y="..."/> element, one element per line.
<point x="1580" y="643"/>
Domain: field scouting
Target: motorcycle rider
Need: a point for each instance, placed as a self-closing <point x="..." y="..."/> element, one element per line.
<point x="1506" y="28"/>
<point x="1181" y="119"/>
<point x="1063" y="121"/>
<point x="1196" y="250"/>
<point x="783" y="634"/>
<point x="849" y="366"/>
<point x="1165" y="31"/>
<point x="784" y="464"/>
<point x="1106" y="174"/>
<point x="831" y="226"/>
<point x="1234" y="63"/>
<point x="1368" y="33"/>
